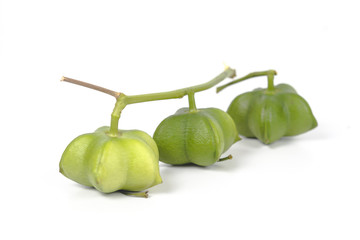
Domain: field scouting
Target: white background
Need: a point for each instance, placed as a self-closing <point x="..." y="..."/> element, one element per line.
<point x="304" y="187"/>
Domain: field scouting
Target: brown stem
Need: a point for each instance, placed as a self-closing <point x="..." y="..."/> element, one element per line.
<point x="136" y="194"/>
<point x="92" y="86"/>
<point x="225" y="158"/>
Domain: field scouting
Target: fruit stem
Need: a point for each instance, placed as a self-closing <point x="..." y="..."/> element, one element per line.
<point x="192" y="105"/>
<point x="179" y="93"/>
<point x="115" y="115"/>
<point x="136" y="194"/>
<point x="270" y="77"/>
<point x="123" y="100"/>
<point x="270" y="74"/>
<point x="225" y="158"/>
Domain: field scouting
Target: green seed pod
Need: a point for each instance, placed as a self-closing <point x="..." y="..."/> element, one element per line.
<point x="271" y="113"/>
<point x="127" y="161"/>
<point x="196" y="136"/>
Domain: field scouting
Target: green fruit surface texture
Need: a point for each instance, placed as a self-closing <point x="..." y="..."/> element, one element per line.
<point x="198" y="137"/>
<point x="128" y="161"/>
<point x="270" y="115"/>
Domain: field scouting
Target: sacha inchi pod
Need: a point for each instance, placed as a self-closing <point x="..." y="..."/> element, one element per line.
<point x="197" y="136"/>
<point x="127" y="160"/>
<point x="270" y="113"/>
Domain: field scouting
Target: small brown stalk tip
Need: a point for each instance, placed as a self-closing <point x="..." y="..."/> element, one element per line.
<point x="234" y="75"/>
<point x="225" y="158"/>
<point x="62" y="79"/>
<point x="146" y="194"/>
<point x="135" y="194"/>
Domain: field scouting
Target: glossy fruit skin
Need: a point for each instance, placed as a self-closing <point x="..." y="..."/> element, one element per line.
<point x="198" y="137"/>
<point x="128" y="161"/>
<point x="270" y="115"/>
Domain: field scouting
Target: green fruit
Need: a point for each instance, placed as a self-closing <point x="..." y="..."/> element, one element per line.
<point x="128" y="161"/>
<point x="271" y="113"/>
<point x="198" y="137"/>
